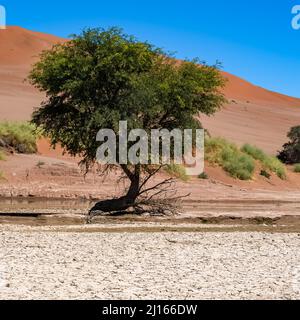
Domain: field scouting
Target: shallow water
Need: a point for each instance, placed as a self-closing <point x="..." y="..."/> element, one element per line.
<point x="217" y="207"/>
<point x="232" y="215"/>
<point x="18" y="204"/>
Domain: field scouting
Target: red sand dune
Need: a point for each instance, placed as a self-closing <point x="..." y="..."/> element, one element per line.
<point x="239" y="89"/>
<point x="19" y="46"/>
<point x="19" y="49"/>
<point x="256" y="115"/>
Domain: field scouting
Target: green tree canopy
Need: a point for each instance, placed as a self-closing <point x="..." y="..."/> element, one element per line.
<point x="291" y="150"/>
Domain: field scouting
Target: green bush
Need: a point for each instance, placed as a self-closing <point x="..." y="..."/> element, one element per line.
<point x="265" y="173"/>
<point x="177" y="171"/>
<point x="238" y="164"/>
<point x="203" y="176"/>
<point x="268" y="162"/>
<point x="20" y="136"/>
<point x="297" y="168"/>
<point x="290" y="154"/>
<point x="254" y="152"/>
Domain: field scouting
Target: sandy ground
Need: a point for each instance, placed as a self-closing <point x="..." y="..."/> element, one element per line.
<point x="39" y="264"/>
<point x="55" y="176"/>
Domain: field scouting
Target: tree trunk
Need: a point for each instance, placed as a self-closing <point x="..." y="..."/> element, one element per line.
<point x="134" y="188"/>
<point x="125" y="202"/>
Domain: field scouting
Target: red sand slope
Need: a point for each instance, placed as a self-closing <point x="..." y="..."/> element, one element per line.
<point x="19" y="48"/>
<point x="256" y="116"/>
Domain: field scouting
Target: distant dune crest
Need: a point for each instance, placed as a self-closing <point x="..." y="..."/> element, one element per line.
<point x="19" y="46"/>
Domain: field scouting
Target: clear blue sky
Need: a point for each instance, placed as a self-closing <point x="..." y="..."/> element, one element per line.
<point x="253" y="39"/>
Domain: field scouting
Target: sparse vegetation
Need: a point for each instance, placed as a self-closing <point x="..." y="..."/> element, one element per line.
<point x="203" y="176"/>
<point x="265" y="174"/>
<point x="268" y="162"/>
<point x="239" y="165"/>
<point x="177" y="171"/>
<point x="20" y="136"/>
<point x="290" y="153"/>
<point x="297" y="168"/>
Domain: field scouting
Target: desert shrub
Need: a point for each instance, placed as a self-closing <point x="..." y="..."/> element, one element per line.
<point x="177" y="171"/>
<point x="265" y="174"/>
<point x="239" y="165"/>
<point x="277" y="167"/>
<point x="268" y="162"/>
<point x="203" y="176"/>
<point x="290" y="154"/>
<point x="21" y="136"/>
<point x="254" y="152"/>
<point x="297" y="168"/>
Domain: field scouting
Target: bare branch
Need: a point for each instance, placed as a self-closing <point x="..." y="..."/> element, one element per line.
<point x="151" y="174"/>
<point x="167" y="181"/>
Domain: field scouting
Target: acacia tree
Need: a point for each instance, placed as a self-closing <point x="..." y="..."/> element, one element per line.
<point x="101" y="77"/>
<point x="290" y="153"/>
